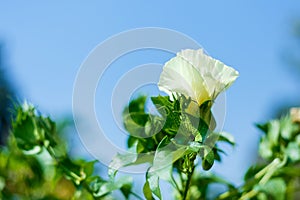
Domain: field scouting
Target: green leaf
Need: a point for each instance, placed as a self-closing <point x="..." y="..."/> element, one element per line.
<point x="263" y="127"/>
<point x="108" y="187"/>
<point x="122" y="160"/>
<point x="275" y="187"/>
<point x="163" y="104"/>
<point x="131" y="157"/>
<point x="135" y="123"/>
<point x="217" y="151"/>
<point x="273" y="132"/>
<point x="147" y="191"/>
<point x="207" y="155"/>
<point x="170" y="112"/>
<point x="293" y="151"/>
<point x="287" y="127"/>
<point x="137" y="105"/>
<point x="206" y="114"/>
<point x="164" y="173"/>
<point x="48" y="129"/>
<point x="126" y="189"/>
<point x="135" y="118"/>
<point x="226" y="137"/>
<point x="153" y="181"/>
<point x="265" y="148"/>
<point x="32" y="131"/>
<point x="153" y="126"/>
<point x="166" y="155"/>
<point x="191" y="125"/>
<point x="138" y="143"/>
<point x="88" y="168"/>
<point x="211" y="139"/>
<point x="25" y="132"/>
<point x="95" y="183"/>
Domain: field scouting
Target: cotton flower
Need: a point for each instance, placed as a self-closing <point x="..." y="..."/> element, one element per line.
<point x="196" y="75"/>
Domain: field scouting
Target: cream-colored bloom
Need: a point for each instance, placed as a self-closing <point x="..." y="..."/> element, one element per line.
<point x="196" y="75"/>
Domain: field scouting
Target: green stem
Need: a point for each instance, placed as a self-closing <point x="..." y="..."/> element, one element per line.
<point x="267" y="168"/>
<point x="224" y="195"/>
<point x="263" y="176"/>
<point x="249" y="195"/>
<point x="136" y="195"/>
<point x="187" y="183"/>
<point x="51" y="152"/>
<point x="276" y="164"/>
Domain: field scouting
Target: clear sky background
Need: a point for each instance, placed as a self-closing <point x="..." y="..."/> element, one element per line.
<point x="46" y="42"/>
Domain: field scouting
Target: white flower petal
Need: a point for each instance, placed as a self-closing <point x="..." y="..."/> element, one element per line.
<point x="216" y="75"/>
<point x="180" y="76"/>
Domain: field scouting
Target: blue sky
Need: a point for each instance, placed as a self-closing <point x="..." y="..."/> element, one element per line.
<point x="46" y="42"/>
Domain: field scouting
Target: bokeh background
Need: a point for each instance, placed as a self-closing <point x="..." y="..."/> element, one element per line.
<point x="44" y="43"/>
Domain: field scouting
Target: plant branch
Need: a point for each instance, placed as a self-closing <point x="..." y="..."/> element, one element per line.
<point x="188" y="182"/>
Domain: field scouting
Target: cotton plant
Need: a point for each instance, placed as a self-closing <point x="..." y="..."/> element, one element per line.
<point x="184" y="128"/>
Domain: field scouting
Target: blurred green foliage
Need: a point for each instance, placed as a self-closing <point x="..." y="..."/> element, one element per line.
<point x="277" y="175"/>
<point x="35" y="164"/>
